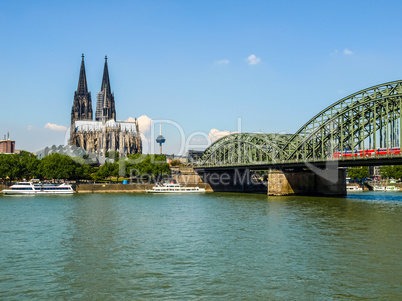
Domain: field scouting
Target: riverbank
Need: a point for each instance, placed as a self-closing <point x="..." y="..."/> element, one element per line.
<point x="125" y="188"/>
<point x="370" y="185"/>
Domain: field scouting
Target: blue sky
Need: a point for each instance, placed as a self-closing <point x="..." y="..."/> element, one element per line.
<point x="187" y="61"/>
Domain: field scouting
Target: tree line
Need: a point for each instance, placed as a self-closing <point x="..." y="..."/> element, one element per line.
<point x="25" y="165"/>
<point x="386" y="172"/>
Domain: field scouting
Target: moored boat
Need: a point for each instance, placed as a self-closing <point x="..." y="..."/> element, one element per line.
<point x="32" y="189"/>
<point x="354" y="189"/>
<point x="379" y="188"/>
<point x="174" y="188"/>
<point x="392" y="188"/>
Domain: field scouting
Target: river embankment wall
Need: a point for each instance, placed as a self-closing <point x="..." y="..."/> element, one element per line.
<point x="124" y="188"/>
<point x="370" y="185"/>
<point x="185" y="175"/>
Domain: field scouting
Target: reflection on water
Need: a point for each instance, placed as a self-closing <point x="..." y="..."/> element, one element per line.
<point x="212" y="246"/>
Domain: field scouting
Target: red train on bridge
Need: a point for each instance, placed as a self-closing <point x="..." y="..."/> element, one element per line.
<point x="368" y="152"/>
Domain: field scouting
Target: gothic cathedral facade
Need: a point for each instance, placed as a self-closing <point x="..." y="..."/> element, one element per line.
<point x="104" y="134"/>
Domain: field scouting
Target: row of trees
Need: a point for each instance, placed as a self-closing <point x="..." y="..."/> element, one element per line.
<point x="135" y="166"/>
<point x="56" y="166"/>
<point x="391" y="172"/>
<point x="386" y="172"/>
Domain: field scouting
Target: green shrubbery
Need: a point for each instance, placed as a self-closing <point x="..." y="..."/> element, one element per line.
<point x="358" y="173"/>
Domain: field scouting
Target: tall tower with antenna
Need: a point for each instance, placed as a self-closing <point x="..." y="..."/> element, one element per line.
<point x="160" y="139"/>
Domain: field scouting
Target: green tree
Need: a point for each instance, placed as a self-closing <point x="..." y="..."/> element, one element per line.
<point x="106" y="170"/>
<point x="398" y="172"/>
<point x="358" y="173"/>
<point x="18" y="166"/>
<point x="146" y="166"/>
<point x="391" y="171"/>
<point x="28" y="165"/>
<point x="57" y="166"/>
<point x="10" y="166"/>
<point x="386" y="172"/>
<point x="83" y="172"/>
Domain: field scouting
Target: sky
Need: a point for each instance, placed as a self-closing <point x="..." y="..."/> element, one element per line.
<point x="203" y="68"/>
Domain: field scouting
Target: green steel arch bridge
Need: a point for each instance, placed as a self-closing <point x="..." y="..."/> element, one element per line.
<point x="363" y="128"/>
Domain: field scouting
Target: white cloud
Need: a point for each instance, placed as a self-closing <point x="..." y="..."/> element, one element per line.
<point x="30" y="127"/>
<point x="335" y="52"/>
<point x="215" y="134"/>
<point x="144" y="125"/>
<point x="54" y="127"/>
<point x="347" y="52"/>
<point x="222" y="62"/>
<point x="130" y="119"/>
<point x="253" y="60"/>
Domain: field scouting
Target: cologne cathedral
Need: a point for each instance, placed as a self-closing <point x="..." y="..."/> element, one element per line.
<point x="104" y="134"/>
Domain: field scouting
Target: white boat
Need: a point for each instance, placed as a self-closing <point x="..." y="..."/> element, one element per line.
<point x="392" y="188"/>
<point x="31" y="188"/>
<point x="379" y="188"/>
<point x="174" y="188"/>
<point x="354" y="189"/>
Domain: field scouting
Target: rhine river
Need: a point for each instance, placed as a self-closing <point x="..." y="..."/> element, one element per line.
<point x="201" y="247"/>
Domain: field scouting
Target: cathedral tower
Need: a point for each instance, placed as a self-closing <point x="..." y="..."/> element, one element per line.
<point x="105" y="107"/>
<point x="105" y="134"/>
<point x="82" y="105"/>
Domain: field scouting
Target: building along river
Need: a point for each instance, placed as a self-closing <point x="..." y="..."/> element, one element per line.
<point x="200" y="247"/>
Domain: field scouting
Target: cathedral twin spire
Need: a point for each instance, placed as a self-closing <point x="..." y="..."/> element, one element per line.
<point x="82" y="105"/>
<point x="82" y="81"/>
<point x="105" y="108"/>
<point x="105" y="78"/>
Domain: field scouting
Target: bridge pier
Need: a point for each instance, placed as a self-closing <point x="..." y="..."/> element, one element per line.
<point x="306" y="182"/>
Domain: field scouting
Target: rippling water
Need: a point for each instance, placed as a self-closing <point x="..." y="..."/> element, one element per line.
<point x="201" y="247"/>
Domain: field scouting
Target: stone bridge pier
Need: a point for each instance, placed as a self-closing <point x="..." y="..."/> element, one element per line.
<point x="306" y="182"/>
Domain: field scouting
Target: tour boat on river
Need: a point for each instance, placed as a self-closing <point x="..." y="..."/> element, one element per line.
<point x="354" y="189"/>
<point x="392" y="188"/>
<point x="386" y="188"/>
<point x="174" y="188"/>
<point x="379" y="188"/>
<point x="31" y="188"/>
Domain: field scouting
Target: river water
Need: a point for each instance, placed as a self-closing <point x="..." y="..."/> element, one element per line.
<point x="201" y="247"/>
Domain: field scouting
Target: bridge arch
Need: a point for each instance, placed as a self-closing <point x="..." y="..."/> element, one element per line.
<point x="245" y="148"/>
<point x="368" y="119"/>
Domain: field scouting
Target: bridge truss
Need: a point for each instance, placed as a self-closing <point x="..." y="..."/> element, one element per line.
<point x="368" y="119"/>
<point x="245" y="148"/>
